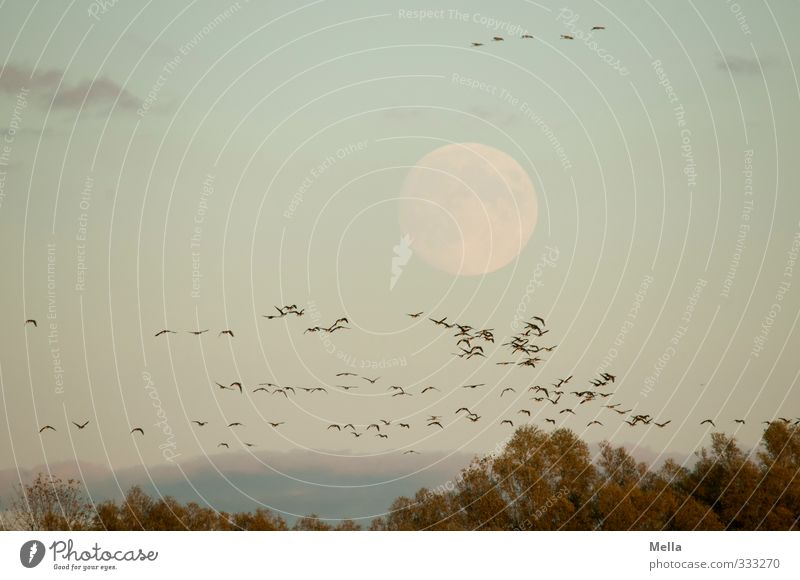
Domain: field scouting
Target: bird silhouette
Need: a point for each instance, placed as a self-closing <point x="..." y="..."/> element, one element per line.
<point x="335" y="426"/>
<point x="507" y="389"/>
<point x="224" y="445"/>
<point x="504" y="421"/>
<point x="598" y="27"/>
<point x="429" y="389"/>
<point x="32" y="321"/>
<point x="165" y="331"/>
<point x="135" y="429"/>
<point x="593" y="423"/>
<point x="228" y="332"/>
<point x="525" y="411"/>
<point x="740" y="421"/>
<point x="238" y="385"/>
<point x="47" y="427"/>
<point x="382" y="436"/>
<point x="664" y="424"/>
<point x="475" y="44"/>
<point x="346" y="374"/>
<point x="526" y="36"/>
<point x="415" y="314"/>
<point x="405" y="425"/>
<point x="432" y="423"/>
<point x="79" y="426"/>
<point x="371" y="380"/>
<point x="411" y="451"/>
<point x="709" y="421"/>
<point x="276" y="425"/>
<point x="235" y="424"/>
<point x="197" y="332"/>
<point x="200" y="423"/>
<point x="553" y="421"/>
<point x="567" y="37"/>
<point x="497" y="38"/>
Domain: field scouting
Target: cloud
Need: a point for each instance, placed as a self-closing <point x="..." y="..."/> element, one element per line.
<point x="743" y="64"/>
<point x="291" y="483"/>
<point x="42" y="85"/>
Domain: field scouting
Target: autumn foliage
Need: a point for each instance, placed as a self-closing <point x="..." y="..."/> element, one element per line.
<point x="538" y="481"/>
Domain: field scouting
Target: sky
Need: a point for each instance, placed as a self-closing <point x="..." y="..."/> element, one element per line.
<point x="193" y="165"/>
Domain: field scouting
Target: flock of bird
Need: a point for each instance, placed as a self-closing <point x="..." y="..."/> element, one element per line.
<point x="530" y="36"/>
<point x="524" y="349"/>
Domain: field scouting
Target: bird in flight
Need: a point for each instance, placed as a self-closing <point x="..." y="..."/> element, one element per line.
<point x="740" y="421"/>
<point x="553" y="421"/>
<point x="511" y="389"/>
<point x="165" y="331"/>
<point x="562" y="411"/>
<point x="47" y="427"/>
<point x="335" y="426"/>
<point x="473" y="44"/>
<point x="346" y="375"/>
<point x="371" y="380"/>
<point x="200" y="423"/>
<point x="526" y="36"/>
<point x="567" y="37"/>
<point x="432" y="423"/>
<point x="238" y="385"/>
<point x="504" y="421"/>
<point x="347" y="387"/>
<point x="418" y="314"/>
<point x="224" y="445"/>
<point x="664" y="424"/>
<point x="382" y="436"/>
<point x="265" y="389"/>
<point x="528" y="413"/>
<point x="709" y="421"/>
<point x="81" y="426"/>
<point x="410" y="451"/>
<point x="405" y="425"/>
<point x="473" y="386"/>
<point x="429" y="388"/>
<point x="135" y="429"/>
<point x="236" y="424"/>
<point x="598" y="27"/>
<point x="593" y="423"/>
<point x="197" y="332"/>
<point x="32" y="321"/>
<point x="228" y="332"/>
<point x="497" y="38"/>
<point x="276" y="425"/>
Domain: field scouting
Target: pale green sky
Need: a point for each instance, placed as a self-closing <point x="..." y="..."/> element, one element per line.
<point x="260" y="96"/>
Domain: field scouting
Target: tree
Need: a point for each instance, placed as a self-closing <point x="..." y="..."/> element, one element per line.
<point x="49" y="503"/>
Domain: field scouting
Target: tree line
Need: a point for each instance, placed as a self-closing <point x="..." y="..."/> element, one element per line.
<point x="538" y="481"/>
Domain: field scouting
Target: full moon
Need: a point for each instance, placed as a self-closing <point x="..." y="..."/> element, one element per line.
<point x="468" y="208"/>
